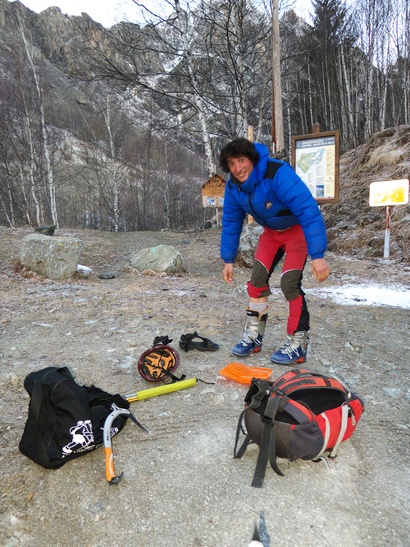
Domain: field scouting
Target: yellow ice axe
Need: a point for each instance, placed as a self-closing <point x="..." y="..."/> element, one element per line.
<point x="160" y="390"/>
<point x="110" y="473"/>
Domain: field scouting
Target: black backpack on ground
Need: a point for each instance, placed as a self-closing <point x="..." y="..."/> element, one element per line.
<point x="65" y="420"/>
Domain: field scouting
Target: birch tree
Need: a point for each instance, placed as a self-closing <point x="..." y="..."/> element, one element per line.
<point x="30" y="56"/>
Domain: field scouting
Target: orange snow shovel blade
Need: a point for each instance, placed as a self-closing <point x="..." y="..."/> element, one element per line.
<point x="239" y="372"/>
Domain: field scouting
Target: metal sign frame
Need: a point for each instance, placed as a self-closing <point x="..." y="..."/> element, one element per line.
<point x="315" y="158"/>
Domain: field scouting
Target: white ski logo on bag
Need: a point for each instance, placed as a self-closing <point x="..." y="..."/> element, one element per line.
<point x="82" y="437"/>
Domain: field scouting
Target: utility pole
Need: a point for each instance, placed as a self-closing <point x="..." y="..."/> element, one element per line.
<point x="278" y="142"/>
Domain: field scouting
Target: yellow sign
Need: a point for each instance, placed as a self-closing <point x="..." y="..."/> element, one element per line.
<point x="389" y="192"/>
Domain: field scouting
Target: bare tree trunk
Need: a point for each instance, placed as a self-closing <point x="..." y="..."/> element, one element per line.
<point x="48" y="165"/>
<point x="32" y="164"/>
<point x="183" y="19"/>
<point x="240" y="108"/>
<point x="23" y="191"/>
<point x="262" y="102"/>
<point x="348" y="123"/>
<point x="310" y="94"/>
<point x="205" y="132"/>
<point x="112" y="166"/>
<point x="8" y="217"/>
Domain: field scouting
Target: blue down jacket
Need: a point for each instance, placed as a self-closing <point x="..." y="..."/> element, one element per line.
<point x="277" y="203"/>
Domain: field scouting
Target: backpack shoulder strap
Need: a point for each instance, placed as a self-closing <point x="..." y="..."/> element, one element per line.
<point x="237" y="454"/>
<point x="268" y="443"/>
<point x="257" y="391"/>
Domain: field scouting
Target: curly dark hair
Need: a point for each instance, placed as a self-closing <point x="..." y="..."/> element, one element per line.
<point x="236" y="148"/>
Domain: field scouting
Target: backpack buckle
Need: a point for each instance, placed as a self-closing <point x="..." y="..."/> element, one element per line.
<point x="266" y="420"/>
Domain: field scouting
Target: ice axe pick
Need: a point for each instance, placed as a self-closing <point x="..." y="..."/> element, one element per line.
<point x="110" y="473"/>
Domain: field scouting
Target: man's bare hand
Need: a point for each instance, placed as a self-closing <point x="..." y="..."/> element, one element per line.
<point x="320" y="269"/>
<point x="227" y="273"/>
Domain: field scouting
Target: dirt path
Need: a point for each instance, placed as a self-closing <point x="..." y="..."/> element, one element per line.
<point x="181" y="486"/>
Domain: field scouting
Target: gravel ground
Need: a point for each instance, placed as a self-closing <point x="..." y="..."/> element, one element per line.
<point x="181" y="485"/>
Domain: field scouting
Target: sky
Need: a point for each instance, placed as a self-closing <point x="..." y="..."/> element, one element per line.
<point x="106" y="12"/>
<point x="109" y="12"/>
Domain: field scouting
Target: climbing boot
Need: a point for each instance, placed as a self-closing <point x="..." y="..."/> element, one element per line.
<point x="294" y="349"/>
<point x="253" y="334"/>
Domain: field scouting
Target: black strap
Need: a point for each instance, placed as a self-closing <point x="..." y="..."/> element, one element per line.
<point x="237" y="454"/>
<point x="173" y="377"/>
<point x="259" y="389"/>
<point x="267" y="451"/>
<point x="168" y="373"/>
<point x="161" y="341"/>
<point x="35" y="406"/>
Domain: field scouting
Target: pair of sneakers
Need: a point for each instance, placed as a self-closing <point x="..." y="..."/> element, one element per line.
<point x="294" y="350"/>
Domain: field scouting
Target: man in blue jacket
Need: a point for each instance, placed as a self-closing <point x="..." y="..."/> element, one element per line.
<point x="276" y="197"/>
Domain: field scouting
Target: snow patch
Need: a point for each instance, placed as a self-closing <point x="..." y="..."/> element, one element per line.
<point x="395" y="296"/>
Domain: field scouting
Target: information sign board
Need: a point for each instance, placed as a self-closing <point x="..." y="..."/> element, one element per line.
<point x="315" y="158"/>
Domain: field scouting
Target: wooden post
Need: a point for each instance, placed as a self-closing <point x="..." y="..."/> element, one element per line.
<point x="250" y="138"/>
<point x="278" y="140"/>
<point x="317" y="128"/>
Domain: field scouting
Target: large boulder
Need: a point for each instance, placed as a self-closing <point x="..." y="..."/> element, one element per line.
<point x="248" y="243"/>
<point x="54" y="257"/>
<point x="162" y="259"/>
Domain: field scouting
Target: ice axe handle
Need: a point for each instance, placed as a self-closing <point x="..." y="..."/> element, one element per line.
<point x="110" y="474"/>
<point x="160" y="390"/>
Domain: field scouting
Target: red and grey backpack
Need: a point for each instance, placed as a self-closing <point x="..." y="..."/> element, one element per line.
<point x="301" y="415"/>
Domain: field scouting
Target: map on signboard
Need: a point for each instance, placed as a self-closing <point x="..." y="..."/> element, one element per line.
<point x="315" y="164"/>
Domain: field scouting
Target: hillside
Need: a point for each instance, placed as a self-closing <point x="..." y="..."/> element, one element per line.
<point x="355" y="228"/>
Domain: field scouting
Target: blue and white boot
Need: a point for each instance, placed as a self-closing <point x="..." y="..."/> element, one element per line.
<point x="253" y="334"/>
<point x="294" y="350"/>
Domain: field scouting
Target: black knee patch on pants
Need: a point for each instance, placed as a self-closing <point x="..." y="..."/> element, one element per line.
<point x="290" y="283"/>
<point x="260" y="278"/>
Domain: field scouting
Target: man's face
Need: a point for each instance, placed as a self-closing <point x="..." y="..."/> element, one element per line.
<point x="240" y="168"/>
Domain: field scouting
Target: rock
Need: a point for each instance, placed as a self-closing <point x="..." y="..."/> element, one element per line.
<point x="84" y="270"/>
<point x="54" y="257"/>
<point x="126" y="364"/>
<point x="164" y="258"/>
<point x="106" y="275"/>
<point x="249" y="240"/>
<point x="46" y="229"/>
<point x="13" y="379"/>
